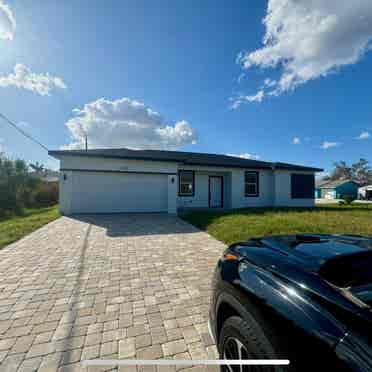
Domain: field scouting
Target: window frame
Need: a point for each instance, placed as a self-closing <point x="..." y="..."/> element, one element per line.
<point x="257" y="184"/>
<point x="180" y="193"/>
<point x="296" y="195"/>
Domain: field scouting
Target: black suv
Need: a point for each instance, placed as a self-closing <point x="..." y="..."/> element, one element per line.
<point x="306" y="298"/>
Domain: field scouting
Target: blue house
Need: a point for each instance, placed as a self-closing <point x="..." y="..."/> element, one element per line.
<point x="336" y="189"/>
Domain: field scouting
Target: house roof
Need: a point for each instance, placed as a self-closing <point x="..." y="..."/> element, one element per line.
<point x="186" y="158"/>
<point x="333" y="184"/>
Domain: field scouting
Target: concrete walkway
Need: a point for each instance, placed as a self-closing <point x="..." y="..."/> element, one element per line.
<point x="107" y="286"/>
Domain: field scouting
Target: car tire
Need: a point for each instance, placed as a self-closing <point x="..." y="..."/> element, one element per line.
<point x="247" y="335"/>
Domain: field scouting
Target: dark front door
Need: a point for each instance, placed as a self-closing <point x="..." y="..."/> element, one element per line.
<point x="215" y="191"/>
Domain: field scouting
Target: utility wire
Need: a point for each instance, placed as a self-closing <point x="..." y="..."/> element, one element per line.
<point x="22" y="131"/>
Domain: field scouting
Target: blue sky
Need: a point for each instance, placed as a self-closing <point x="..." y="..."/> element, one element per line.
<point x="165" y="74"/>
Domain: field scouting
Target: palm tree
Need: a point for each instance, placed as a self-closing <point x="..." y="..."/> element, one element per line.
<point x="37" y="167"/>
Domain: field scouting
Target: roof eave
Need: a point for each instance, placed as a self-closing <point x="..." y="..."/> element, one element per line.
<point x="259" y="165"/>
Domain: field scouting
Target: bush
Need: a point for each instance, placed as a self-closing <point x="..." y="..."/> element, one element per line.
<point x="20" y="188"/>
<point x="348" y="199"/>
<point x="46" y="194"/>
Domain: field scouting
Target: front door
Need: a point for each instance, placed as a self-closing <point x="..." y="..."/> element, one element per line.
<point x="215" y="191"/>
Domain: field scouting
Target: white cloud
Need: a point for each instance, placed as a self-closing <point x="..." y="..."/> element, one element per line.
<point x="321" y="175"/>
<point x="364" y="135"/>
<point x="245" y="155"/>
<point x="258" y="97"/>
<point x="327" y="145"/>
<point x="7" y="22"/>
<point x="309" y="39"/>
<point x="24" y="78"/>
<point x="126" y="123"/>
<point x="296" y="141"/>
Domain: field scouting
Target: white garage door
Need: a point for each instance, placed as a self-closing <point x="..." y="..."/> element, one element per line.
<point x="97" y="192"/>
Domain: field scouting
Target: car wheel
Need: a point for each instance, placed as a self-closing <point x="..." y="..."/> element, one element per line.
<point x="244" y="339"/>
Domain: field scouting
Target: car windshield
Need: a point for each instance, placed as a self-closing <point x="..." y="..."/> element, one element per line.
<point x="348" y="271"/>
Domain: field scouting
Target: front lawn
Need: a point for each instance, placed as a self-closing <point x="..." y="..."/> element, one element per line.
<point x="16" y="227"/>
<point x="240" y="225"/>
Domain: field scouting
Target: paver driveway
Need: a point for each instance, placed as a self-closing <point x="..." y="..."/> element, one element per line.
<point x="106" y="286"/>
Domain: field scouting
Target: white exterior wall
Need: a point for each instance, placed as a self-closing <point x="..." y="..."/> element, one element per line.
<point x="65" y="192"/>
<point x="266" y="189"/>
<point x="274" y="186"/>
<point x="80" y="162"/>
<point x="201" y="194"/>
<point x="200" y="198"/>
<point x="172" y="194"/>
<point x="282" y="190"/>
<point x="158" y="191"/>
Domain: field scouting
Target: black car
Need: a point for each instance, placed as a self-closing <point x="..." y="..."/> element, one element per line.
<point x="306" y="298"/>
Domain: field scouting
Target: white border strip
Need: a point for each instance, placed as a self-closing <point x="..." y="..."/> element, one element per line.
<point x="167" y="362"/>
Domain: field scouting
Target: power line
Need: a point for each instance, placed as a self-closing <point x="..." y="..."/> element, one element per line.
<point x="22" y="131"/>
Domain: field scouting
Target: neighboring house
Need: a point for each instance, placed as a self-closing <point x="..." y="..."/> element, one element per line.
<point x="318" y="192"/>
<point x="123" y="180"/>
<point x="336" y="189"/>
<point x="365" y="192"/>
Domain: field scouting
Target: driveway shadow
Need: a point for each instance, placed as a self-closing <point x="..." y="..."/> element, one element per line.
<point x="137" y="224"/>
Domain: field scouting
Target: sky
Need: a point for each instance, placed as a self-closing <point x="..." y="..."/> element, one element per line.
<point x="278" y="80"/>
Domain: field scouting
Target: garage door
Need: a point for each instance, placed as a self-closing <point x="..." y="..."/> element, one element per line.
<point x="96" y="192"/>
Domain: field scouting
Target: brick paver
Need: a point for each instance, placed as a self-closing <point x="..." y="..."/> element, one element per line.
<point x="107" y="286"/>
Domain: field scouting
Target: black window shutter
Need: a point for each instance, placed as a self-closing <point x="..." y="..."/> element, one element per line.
<point x="302" y="186"/>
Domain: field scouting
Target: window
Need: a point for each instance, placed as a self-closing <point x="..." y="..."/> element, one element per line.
<point x="251" y="184"/>
<point x="186" y="183"/>
<point x="302" y="186"/>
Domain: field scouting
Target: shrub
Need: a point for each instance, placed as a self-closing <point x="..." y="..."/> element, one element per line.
<point x="348" y="199"/>
<point x="20" y="188"/>
<point x="46" y="194"/>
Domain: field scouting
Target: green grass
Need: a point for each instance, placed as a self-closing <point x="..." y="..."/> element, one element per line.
<point x="16" y="227"/>
<point x="240" y="225"/>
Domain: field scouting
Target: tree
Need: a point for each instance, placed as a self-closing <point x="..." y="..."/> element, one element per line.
<point x="341" y="171"/>
<point x="359" y="172"/>
<point x="37" y="167"/>
<point x="16" y="184"/>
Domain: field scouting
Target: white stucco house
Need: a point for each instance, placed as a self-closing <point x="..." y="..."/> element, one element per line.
<point x="123" y="180"/>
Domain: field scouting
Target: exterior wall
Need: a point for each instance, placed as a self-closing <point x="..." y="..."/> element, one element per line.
<point x="282" y="187"/>
<point x="80" y="162"/>
<point x="274" y="186"/>
<point x="172" y="194"/>
<point x="73" y="185"/>
<point x="65" y="192"/>
<point x="328" y="193"/>
<point x="201" y="192"/>
<point x="266" y="189"/>
<point x="348" y="188"/>
<point x="318" y="193"/>
<point x="227" y="191"/>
